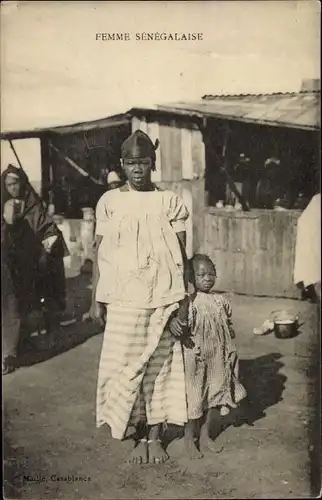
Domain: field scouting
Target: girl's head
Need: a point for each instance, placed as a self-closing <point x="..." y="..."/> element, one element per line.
<point x="138" y="160"/>
<point x="204" y="273"/>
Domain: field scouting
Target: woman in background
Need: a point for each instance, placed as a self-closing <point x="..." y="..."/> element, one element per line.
<point x="32" y="251"/>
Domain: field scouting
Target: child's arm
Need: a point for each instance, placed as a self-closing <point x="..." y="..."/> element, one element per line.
<point x="227" y="307"/>
<point x="191" y="317"/>
<point x="229" y="312"/>
<point x="231" y="329"/>
<point x="188" y="340"/>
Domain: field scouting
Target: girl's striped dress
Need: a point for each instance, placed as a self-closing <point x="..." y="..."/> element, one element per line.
<point x="211" y="366"/>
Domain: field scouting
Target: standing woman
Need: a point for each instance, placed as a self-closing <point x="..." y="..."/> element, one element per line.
<point x="141" y="280"/>
<point x="32" y="251"/>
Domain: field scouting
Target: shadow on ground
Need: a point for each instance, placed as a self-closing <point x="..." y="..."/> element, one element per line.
<point x="264" y="385"/>
<point x="66" y="337"/>
<point x="314" y="429"/>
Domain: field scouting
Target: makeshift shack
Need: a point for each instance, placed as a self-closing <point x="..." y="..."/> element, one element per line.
<point x="75" y="161"/>
<point x="252" y="242"/>
<point x="245" y="165"/>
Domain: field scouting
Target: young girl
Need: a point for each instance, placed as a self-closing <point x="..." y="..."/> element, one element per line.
<point x="211" y="364"/>
<point x="141" y="287"/>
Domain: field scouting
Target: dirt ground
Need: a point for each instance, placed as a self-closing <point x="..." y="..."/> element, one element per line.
<point x="52" y="448"/>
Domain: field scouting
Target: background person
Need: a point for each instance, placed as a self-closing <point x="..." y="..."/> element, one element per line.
<point x="32" y="250"/>
<point x="307" y="265"/>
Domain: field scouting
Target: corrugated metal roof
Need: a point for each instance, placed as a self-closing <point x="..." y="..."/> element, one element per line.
<point x="297" y="110"/>
<point x="111" y="121"/>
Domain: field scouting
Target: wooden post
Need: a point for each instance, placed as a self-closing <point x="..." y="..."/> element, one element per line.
<point x="73" y="164"/>
<point x="198" y="186"/>
<point x="45" y="169"/>
<point x="87" y="233"/>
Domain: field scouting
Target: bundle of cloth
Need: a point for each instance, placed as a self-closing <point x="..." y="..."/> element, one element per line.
<point x="32" y="252"/>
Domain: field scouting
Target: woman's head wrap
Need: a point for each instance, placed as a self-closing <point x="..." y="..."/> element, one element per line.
<point x="139" y="145"/>
<point x="16" y="173"/>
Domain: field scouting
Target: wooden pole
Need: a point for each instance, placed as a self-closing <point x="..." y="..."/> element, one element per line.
<point x="20" y="166"/>
<point x="74" y="165"/>
<point x="15" y="153"/>
<point x="45" y="170"/>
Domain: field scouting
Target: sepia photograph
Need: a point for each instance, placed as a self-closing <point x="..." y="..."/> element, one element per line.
<point x="160" y="249"/>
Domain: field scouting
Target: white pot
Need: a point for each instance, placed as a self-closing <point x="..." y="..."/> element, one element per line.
<point x="87" y="238"/>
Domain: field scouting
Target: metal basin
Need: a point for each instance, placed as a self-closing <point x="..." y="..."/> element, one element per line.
<point x="285" y="329"/>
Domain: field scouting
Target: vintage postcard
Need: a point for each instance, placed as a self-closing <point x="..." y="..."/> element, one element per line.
<point x="160" y="249"/>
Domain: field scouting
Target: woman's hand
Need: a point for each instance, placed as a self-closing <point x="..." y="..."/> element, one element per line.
<point x="49" y="242"/>
<point x="177" y="327"/>
<point x="97" y="313"/>
<point x="11" y="211"/>
<point x="43" y="261"/>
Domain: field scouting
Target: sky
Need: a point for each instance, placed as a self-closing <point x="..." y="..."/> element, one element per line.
<point x="54" y="71"/>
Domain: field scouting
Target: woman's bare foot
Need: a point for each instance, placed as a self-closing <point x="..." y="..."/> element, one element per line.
<point x="9" y="365"/>
<point x="140" y="453"/>
<point x="191" y="448"/>
<point x="157" y="455"/>
<point x="210" y="445"/>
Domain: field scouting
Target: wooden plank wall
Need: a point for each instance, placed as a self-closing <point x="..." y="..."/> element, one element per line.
<point x="254" y="252"/>
<point x="188" y="190"/>
<point x="180" y="166"/>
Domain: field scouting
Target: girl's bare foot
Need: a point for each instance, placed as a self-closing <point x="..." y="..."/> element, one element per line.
<point x="140" y="453"/>
<point x="191" y="448"/>
<point x="157" y="455"/>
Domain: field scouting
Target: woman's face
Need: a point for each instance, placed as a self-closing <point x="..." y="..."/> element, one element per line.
<point x="138" y="172"/>
<point x="12" y="185"/>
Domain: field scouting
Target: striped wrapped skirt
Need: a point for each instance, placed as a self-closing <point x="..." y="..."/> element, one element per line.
<point x="141" y="371"/>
